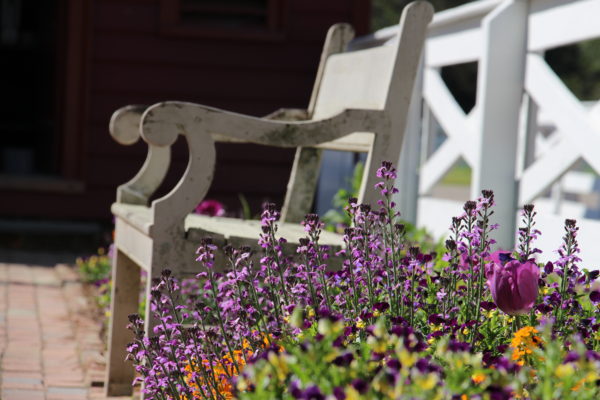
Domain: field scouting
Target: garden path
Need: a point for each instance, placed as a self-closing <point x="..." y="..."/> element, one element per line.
<point x="50" y="347"/>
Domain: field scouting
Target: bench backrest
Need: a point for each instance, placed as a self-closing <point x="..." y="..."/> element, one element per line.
<point x="358" y="79"/>
<point x="379" y="78"/>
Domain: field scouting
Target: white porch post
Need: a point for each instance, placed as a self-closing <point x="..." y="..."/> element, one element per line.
<point x="499" y="95"/>
<point x="408" y="165"/>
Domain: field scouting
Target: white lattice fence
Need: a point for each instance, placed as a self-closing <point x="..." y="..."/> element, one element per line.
<point x="501" y="138"/>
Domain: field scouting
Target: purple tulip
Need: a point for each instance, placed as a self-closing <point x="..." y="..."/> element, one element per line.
<point x="514" y="284"/>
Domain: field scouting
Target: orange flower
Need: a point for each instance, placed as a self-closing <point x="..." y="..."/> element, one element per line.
<point x="221" y="371"/>
<point x="478" y="378"/>
<point x="523" y="344"/>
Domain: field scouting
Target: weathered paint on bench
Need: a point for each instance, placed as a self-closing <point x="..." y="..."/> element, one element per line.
<point x="360" y="102"/>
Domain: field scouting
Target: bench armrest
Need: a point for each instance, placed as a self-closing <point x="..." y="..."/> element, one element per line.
<point x="125" y="129"/>
<point x="162" y="123"/>
<point x="288" y="114"/>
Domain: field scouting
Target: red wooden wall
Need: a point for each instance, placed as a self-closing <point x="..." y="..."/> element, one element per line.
<point x="126" y="58"/>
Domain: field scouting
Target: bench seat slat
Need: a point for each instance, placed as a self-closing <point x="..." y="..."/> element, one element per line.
<point x="198" y="226"/>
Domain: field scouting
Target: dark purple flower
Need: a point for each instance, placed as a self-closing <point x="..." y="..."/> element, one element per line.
<point x="514" y="285"/>
<point x="360" y="385"/>
<point x="544" y="308"/>
<point x="381" y="306"/>
<point x="339" y="393"/>
<point x="455" y="346"/>
<point x="500" y="393"/>
<point x="592" y="355"/>
<point x="435" y="319"/>
<point x="295" y="390"/>
<point x="572" y="356"/>
<point x="394" y="364"/>
<point x="344" y="360"/>
<point x="313" y="393"/>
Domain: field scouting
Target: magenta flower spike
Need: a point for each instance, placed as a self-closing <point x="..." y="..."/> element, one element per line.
<point x="514" y="284"/>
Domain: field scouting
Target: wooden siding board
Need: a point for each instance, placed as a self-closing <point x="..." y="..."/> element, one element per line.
<point x="132" y="62"/>
<point x="143" y="49"/>
<point x="317" y="7"/>
<point x="126" y="16"/>
<point x="306" y="23"/>
<point x="198" y="83"/>
<point x="95" y="204"/>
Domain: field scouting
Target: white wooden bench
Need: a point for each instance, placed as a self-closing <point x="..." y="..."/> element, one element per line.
<point x="359" y="103"/>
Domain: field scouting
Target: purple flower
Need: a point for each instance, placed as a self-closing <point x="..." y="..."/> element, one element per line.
<point x="313" y="393"/>
<point x="210" y="207"/>
<point x="514" y="285"/>
<point x="339" y="393"/>
<point x="360" y="385"/>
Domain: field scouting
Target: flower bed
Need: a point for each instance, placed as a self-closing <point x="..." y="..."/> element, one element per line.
<point x="95" y="270"/>
<point x="394" y="322"/>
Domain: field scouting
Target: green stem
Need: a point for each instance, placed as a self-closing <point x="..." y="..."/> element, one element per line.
<point x="220" y="320"/>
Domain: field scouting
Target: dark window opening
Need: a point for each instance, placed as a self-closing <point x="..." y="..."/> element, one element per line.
<point x="231" y="18"/>
<point x="233" y="14"/>
<point x="28" y="128"/>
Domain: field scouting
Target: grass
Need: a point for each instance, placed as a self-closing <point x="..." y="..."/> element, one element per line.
<point x="459" y="175"/>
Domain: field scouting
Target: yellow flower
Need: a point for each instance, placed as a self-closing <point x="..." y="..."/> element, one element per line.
<point x="564" y="370"/>
<point x="428" y="382"/>
<point x="352" y="394"/>
<point x="407" y="358"/>
<point x="279" y="364"/>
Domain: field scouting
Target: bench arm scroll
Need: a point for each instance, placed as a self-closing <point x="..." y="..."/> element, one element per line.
<point x="125" y="129"/>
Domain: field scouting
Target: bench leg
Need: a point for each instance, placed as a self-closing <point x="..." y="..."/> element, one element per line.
<point x="150" y="320"/>
<point x="124" y="301"/>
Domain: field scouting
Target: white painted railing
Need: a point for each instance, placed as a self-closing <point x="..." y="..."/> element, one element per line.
<point x="518" y="97"/>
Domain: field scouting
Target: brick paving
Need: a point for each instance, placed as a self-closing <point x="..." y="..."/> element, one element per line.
<point x="50" y="347"/>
